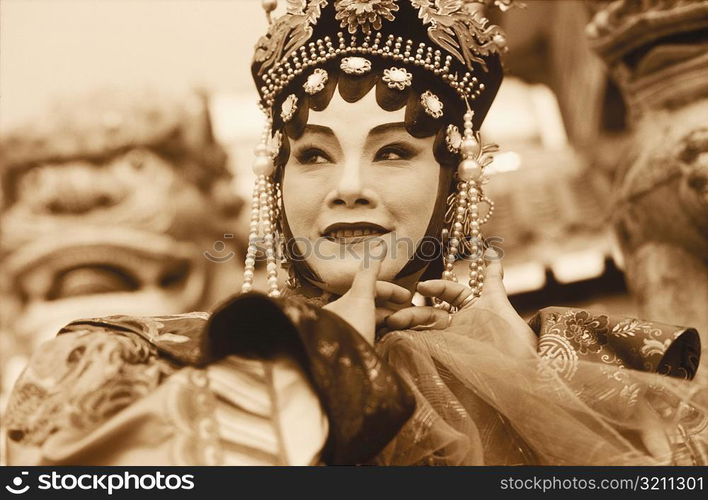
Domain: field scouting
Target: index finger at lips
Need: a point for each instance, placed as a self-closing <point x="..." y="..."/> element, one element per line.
<point x="364" y="284"/>
<point x="449" y="291"/>
<point x="390" y="292"/>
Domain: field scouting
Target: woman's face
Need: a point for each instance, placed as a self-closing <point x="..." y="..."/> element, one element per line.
<point x="353" y="176"/>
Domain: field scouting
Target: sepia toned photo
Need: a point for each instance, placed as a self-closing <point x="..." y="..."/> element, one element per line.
<point x="353" y="232"/>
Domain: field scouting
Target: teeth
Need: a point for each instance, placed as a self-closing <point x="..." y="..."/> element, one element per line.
<point x="353" y="233"/>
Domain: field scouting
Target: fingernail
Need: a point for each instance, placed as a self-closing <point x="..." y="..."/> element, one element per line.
<point x="491" y="254"/>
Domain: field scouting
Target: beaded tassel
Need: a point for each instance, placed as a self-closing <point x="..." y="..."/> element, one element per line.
<point x="464" y="236"/>
<point x="263" y="213"/>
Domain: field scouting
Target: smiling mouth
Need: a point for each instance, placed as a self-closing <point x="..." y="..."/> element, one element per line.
<point x="349" y="233"/>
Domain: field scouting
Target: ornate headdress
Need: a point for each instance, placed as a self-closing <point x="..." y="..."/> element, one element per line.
<point x="438" y="58"/>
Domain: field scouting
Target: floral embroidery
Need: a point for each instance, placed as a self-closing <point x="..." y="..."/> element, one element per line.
<point x="316" y="81"/>
<point x="355" y="65"/>
<point x="397" y="78"/>
<point x="175" y="334"/>
<point x="287" y="111"/>
<point x="630" y="327"/>
<point x="364" y="14"/>
<point x="588" y="332"/>
<point x="652" y="347"/>
<point x="431" y="104"/>
<point x="630" y="394"/>
<point x="79" y="380"/>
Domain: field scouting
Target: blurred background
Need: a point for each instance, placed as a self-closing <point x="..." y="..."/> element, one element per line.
<point x="127" y="130"/>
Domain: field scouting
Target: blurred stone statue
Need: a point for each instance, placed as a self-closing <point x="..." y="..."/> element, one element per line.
<point x="109" y="204"/>
<point x="656" y="51"/>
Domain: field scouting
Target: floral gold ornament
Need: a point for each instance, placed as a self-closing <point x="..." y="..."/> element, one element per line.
<point x="397" y="78"/>
<point x="432" y="104"/>
<point x="355" y="65"/>
<point x="287" y="110"/>
<point x="274" y="143"/>
<point x="453" y="139"/>
<point x="364" y="14"/>
<point x="316" y="81"/>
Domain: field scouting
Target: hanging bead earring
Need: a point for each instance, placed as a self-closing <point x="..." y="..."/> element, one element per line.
<point x="470" y="172"/>
<point x="464" y="236"/>
<point x="263" y="213"/>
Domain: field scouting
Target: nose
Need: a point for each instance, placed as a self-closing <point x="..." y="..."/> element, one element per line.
<point x="350" y="190"/>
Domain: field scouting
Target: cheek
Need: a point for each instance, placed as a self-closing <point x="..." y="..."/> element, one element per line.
<point x="302" y="203"/>
<point x="413" y="200"/>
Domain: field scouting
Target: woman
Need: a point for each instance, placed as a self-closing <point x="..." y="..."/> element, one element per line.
<point x="370" y="173"/>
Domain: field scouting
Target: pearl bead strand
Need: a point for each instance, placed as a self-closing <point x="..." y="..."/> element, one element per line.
<point x="262" y="218"/>
<point x="463" y="214"/>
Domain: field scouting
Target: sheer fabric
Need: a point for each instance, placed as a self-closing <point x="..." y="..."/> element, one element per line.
<point x="575" y="400"/>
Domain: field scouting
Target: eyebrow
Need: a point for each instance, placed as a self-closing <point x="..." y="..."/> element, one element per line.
<point x="386" y="127"/>
<point x="378" y="130"/>
<point x="317" y="129"/>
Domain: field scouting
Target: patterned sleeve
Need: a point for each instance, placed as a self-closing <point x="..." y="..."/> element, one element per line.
<point x="366" y="401"/>
<point x="572" y="335"/>
<point x="76" y="381"/>
<point x="606" y="359"/>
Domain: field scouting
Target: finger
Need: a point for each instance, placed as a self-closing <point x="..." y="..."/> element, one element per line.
<point x="364" y="284"/>
<point x="493" y="272"/>
<point x="453" y="293"/>
<point x="420" y="317"/>
<point x="390" y="292"/>
<point x="382" y="313"/>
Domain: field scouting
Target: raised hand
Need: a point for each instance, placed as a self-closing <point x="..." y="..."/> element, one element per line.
<point x="368" y="301"/>
<point x="493" y="301"/>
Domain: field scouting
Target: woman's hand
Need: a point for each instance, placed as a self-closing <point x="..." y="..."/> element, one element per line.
<point x="493" y="300"/>
<point x="368" y="302"/>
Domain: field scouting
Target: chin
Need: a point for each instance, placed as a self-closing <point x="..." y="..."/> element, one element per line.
<point x="337" y="277"/>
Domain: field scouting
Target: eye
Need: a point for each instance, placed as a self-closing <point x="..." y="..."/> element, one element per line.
<point x="91" y="280"/>
<point x="312" y="156"/>
<point x="393" y="152"/>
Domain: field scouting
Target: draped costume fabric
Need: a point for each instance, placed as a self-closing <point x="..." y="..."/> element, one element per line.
<point x="247" y="384"/>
